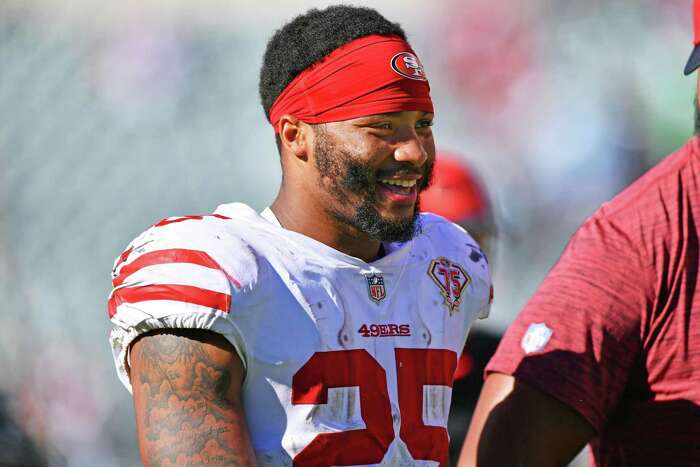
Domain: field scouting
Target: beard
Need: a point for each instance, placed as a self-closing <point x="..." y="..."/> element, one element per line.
<point x="348" y="180"/>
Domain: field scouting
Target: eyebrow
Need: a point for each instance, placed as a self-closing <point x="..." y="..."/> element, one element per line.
<point x="394" y="114"/>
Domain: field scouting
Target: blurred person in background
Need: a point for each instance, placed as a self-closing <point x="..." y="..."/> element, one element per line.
<point x="17" y="449"/>
<point x="607" y="351"/>
<point x="458" y="194"/>
<point x="325" y="330"/>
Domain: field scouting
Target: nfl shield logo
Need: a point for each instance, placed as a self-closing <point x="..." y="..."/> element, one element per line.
<point x="535" y="338"/>
<point x="375" y="287"/>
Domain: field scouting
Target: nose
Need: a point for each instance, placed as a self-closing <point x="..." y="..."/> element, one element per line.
<point x="411" y="150"/>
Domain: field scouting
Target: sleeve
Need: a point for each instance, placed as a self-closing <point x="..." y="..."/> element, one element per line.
<point x="172" y="277"/>
<point x="579" y="336"/>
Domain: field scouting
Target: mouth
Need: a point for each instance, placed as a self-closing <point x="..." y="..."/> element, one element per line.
<point x="401" y="190"/>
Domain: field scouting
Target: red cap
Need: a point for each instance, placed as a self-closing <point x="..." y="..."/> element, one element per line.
<point x="456" y="192"/>
<point x="694" y="60"/>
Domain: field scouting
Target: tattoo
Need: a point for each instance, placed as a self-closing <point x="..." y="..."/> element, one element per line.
<point x="187" y="413"/>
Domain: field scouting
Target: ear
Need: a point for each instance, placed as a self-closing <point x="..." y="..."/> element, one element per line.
<point x="294" y="136"/>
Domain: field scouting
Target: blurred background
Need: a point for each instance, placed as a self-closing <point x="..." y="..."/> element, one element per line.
<point x="116" y="114"/>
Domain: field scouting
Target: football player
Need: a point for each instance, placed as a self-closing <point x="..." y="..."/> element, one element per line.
<point x="325" y="330"/>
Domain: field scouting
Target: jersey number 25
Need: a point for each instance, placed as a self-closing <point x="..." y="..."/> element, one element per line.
<point x="415" y="368"/>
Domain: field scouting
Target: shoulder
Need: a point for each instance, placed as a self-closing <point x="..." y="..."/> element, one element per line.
<point x="191" y="231"/>
<point x="193" y="249"/>
<point x="647" y="214"/>
<point x="434" y="226"/>
<point x="441" y="234"/>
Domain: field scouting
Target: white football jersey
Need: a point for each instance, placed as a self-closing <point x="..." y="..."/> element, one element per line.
<point x="347" y="362"/>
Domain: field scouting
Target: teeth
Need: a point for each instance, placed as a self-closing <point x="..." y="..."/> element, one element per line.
<point x="402" y="183"/>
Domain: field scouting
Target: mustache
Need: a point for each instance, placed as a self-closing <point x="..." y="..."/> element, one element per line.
<point x="359" y="177"/>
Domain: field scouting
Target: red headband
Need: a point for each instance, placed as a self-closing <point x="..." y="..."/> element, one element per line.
<point x="368" y="76"/>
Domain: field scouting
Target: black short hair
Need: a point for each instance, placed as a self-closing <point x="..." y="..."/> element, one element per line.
<point x="311" y="36"/>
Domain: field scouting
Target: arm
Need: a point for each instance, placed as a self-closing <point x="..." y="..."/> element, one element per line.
<point x="187" y="386"/>
<point x="515" y="424"/>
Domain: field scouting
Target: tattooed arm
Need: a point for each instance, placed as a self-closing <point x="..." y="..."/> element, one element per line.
<point x="187" y="397"/>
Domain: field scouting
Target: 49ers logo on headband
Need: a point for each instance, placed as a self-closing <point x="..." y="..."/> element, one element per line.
<point x="330" y="91"/>
<point x="407" y="65"/>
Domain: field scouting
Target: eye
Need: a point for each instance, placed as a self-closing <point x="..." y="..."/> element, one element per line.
<point x="382" y="125"/>
<point x="424" y="123"/>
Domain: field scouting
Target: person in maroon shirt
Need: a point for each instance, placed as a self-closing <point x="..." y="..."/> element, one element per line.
<point x="607" y="351"/>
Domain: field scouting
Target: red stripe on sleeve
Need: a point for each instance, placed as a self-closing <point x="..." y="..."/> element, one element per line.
<point x="125" y="254"/>
<point x="174" y="255"/>
<point x="178" y="293"/>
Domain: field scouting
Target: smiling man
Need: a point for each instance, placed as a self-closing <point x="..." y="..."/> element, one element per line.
<point x="324" y="331"/>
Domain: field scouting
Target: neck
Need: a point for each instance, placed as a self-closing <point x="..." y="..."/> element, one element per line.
<point x="311" y="220"/>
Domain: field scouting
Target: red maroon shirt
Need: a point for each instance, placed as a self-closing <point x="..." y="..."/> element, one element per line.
<point x="623" y="308"/>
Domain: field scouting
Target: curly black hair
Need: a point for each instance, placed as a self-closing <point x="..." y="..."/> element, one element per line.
<point x="311" y="36"/>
